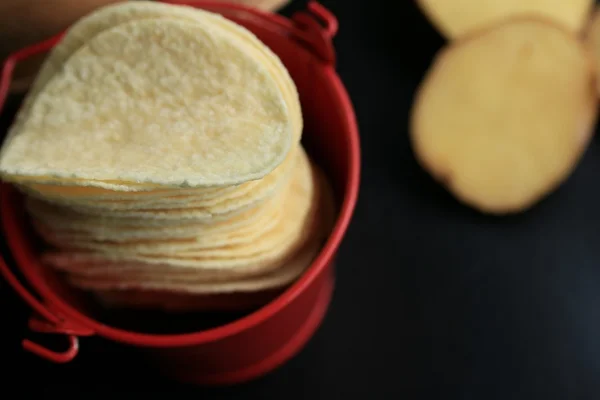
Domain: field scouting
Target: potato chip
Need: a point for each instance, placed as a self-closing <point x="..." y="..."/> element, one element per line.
<point x="131" y="276"/>
<point x="229" y="208"/>
<point x="277" y="278"/>
<point x="291" y="231"/>
<point x="592" y="37"/>
<point x="114" y="15"/>
<point x="502" y="118"/>
<point x="192" y="240"/>
<point x="245" y="195"/>
<point x="105" y="228"/>
<point x="456" y="18"/>
<point x="199" y="112"/>
<point x="109" y="16"/>
<point x="297" y="203"/>
<point x="61" y="193"/>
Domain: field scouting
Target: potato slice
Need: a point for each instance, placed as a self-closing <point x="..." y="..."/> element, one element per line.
<point x="592" y="38"/>
<point x="456" y="18"/>
<point x="501" y="119"/>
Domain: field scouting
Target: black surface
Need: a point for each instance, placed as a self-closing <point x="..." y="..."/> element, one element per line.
<point x="433" y="300"/>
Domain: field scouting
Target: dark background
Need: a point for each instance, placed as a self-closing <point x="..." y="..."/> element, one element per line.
<point x="433" y="300"/>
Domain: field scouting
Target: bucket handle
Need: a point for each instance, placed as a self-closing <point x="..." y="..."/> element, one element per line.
<point x="51" y="355"/>
<point x="317" y="27"/>
<point x="45" y="321"/>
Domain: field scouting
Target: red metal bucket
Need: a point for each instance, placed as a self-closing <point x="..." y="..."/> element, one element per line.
<point x="260" y="341"/>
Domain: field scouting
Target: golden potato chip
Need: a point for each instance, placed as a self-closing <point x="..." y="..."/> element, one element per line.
<point x="292" y="269"/>
<point x="249" y="236"/>
<point x="113" y="15"/>
<point x="290" y="232"/>
<point x="196" y="212"/>
<point x="167" y="243"/>
<point x="237" y="259"/>
<point x="105" y="228"/>
<point x="159" y="234"/>
<point x="246" y="195"/>
<point x="203" y="111"/>
<point x="86" y="193"/>
<point x="109" y="16"/>
<point x="131" y="276"/>
<point x="502" y="118"/>
<point x="113" y="229"/>
<point x="456" y="18"/>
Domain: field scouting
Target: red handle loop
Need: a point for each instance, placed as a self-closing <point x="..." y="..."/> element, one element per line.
<point x="52" y="323"/>
<point x="50" y="355"/>
<point x="316" y="28"/>
<point x="328" y="19"/>
<point x="328" y="23"/>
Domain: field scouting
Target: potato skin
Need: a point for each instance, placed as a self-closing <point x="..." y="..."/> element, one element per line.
<point x="49" y="17"/>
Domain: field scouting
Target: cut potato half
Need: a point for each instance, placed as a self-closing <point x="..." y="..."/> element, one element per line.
<point x="454" y="18"/>
<point x="501" y="119"/>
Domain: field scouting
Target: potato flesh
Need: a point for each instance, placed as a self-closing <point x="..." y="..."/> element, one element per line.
<point x="455" y="18"/>
<point x="502" y="119"/>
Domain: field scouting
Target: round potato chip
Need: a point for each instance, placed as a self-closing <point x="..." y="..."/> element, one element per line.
<point x="174" y="239"/>
<point x="158" y="101"/>
<point x="290" y="271"/>
<point x="106" y="17"/>
<point x="245" y="196"/>
<point x="87" y="193"/>
<point x="299" y="203"/>
<point x="99" y="277"/>
<point x="249" y="236"/>
<point x="111" y="228"/>
<point x="297" y="225"/>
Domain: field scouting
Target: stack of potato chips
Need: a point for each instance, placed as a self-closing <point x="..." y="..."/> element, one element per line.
<point x="160" y="152"/>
